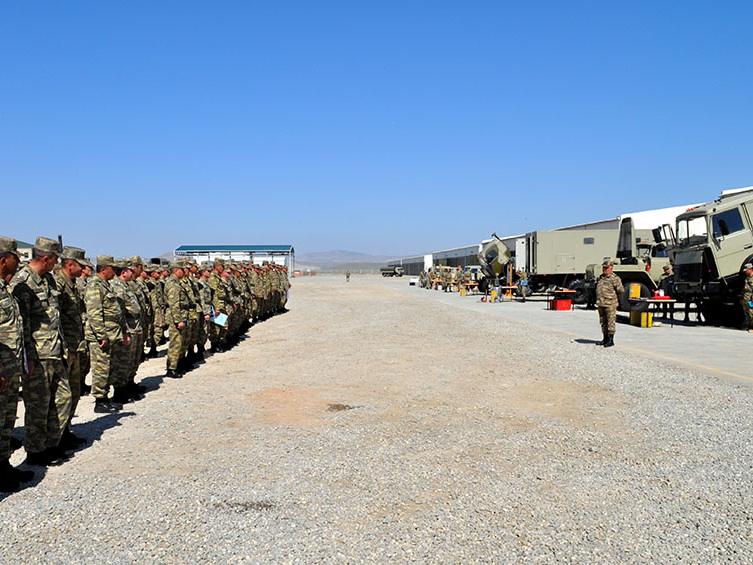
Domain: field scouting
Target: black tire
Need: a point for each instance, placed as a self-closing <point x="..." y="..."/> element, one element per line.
<point x="627" y="306"/>
<point x="581" y="294"/>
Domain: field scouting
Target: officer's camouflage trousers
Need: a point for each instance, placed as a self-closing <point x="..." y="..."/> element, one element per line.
<point x="8" y="406"/>
<point x="203" y="333"/>
<point x="76" y="362"/>
<point x="120" y="363"/>
<point x="47" y="403"/>
<point x="101" y="360"/>
<point x="135" y="350"/>
<point x="217" y="334"/>
<point x="748" y="311"/>
<point x="175" y="348"/>
<point x="608" y="319"/>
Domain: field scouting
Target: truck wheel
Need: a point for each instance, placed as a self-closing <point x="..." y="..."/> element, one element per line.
<point x="581" y="295"/>
<point x="625" y="304"/>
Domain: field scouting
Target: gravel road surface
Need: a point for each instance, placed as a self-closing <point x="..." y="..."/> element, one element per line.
<point x="374" y="423"/>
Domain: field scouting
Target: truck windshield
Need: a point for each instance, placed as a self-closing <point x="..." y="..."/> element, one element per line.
<point x="691" y="231"/>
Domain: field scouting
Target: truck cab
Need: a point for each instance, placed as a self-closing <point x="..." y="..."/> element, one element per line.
<point x="713" y="243"/>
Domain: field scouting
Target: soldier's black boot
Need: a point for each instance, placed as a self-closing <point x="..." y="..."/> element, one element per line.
<point x="122" y="395"/>
<point x="152" y="353"/>
<point x="173" y="374"/>
<point x="610" y="341"/>
<point x="604" y="338"/>
<point x="199" y="353"/>
<point x="71" y="440"/>
<point x="104" y="406"/>
<point x="134" y="389"/>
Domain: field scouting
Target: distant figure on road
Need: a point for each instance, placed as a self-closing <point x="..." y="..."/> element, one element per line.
<point x="608" y="291"/>
<point x="347" y="276"/>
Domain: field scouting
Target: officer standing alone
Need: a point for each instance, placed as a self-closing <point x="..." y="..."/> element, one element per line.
<point x="608" y="291"/>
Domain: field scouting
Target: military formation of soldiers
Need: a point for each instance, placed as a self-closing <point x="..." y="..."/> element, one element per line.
<point x="62" y="318"/>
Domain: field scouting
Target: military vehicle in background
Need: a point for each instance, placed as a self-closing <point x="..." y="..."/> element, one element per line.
<point x="493" y="259"/>
<point x="395" y="271"/>
<point x="550" y="258"/>
<point x="639" y="262"/>
<point x="712" y="244"/>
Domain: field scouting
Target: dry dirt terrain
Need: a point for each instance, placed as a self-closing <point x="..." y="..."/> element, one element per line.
<point x="373" y="424"/>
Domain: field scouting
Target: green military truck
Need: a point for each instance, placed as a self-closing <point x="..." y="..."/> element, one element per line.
<point x="395" y="271"/>
<point x="712" y="243"/>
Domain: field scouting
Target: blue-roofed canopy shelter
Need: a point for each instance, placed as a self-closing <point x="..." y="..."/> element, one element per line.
<point x="279" y="254"/>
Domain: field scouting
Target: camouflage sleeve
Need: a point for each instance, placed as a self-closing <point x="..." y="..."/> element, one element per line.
<point x="218" y="293"/>
<point x="618" y="288"/>
<point x="95" y="312"/>
<point x="22" y="293"/>
<point x="174" y="312"/>
<point x="748" y="290"/>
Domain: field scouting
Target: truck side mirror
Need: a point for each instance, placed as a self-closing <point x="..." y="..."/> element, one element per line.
<point x="656" y="232"/>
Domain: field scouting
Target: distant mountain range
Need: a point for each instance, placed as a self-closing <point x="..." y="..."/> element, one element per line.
<point x="333" y="260"/>
<point x="338" y="257"/>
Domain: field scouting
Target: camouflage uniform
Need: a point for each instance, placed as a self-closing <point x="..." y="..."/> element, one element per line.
<point x="72" y="311"/>
<point x="47" y="394"/>
<point x="157" y="300"/>
<point x="11" y="364"/>
<point x="205" y="300"/>
<point x="747" y="298"/>
<point x="105" y="321"/>
<point x="178" y="310"/>
<point x="217" y="333"/>
<point x="608" y="291"/>
<point x="126" y="357"/>
<point x="195" y="314"/>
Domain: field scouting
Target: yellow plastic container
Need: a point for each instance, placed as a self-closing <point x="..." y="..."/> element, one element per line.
<point x="494" y="296"/>
<point x="463" y="292"/>
<point x="635" y="318"/>
<point x="647" y="320"/>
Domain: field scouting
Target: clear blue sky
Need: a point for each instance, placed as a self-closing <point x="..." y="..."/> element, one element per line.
<point x="382" y="127"/>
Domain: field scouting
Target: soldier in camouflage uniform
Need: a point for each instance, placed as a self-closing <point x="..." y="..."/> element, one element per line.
<point x="747" y="296"/>
<point x="608" y="291"/>
<point x="178" y="313"/>
<point x="105" y="331"/>
<point x="138" y="286"/>
<point x="126" y="359"/>
<point x="11" y="365"/>
<point x="217" y="333"/>
<point x="47" y="394"/>
<point x="195" y="316"/>
<point x="157" y="297"/>
<point x="72" y="313"/>
<point x="86" y="273"/>
<point x="205" y="295"/>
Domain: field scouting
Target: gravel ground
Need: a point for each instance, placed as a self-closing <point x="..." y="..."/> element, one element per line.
<point x="371" y="425"/>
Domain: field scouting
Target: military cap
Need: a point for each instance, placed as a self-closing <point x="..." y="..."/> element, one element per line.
<point x="47" y="245"/>
<point x="74" y="253"/>
<point x="121" y="263"/>
<point x="206" y="265"/>
<point x="105" y="261"/>
<point x="175" y="265"/>
<point x="8" y="245"/>
<point x="666" y="267"/>
<point x="219" y="261"/>
<point x="134" y="261"/>
<point x="748" y="266"/>
<point x="607" y="262"/>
